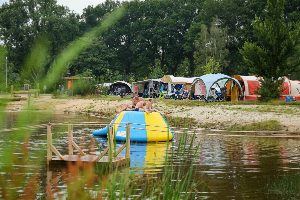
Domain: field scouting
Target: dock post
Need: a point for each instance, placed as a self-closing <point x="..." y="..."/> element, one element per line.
<point x="12" y="90"/>
<point x="48" y="188"/>
<point x="127" y="154"/>
<point x="110" y="143"/>
<point x="38" y="89"/>
<point x="49" y="143"/>
<point x="28" y="100"/>
<point x="70" y="136"/>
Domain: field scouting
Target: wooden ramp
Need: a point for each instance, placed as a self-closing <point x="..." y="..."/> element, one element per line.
<point x="109" y="158"/>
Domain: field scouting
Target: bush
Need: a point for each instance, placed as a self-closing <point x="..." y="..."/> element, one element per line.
<point x="269" y="89"/>
<point x="86" y="85"/>
<point x="56" y="94"/>
<point x="104" y="90"/>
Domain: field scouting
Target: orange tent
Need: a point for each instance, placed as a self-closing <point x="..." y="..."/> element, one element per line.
<point x="249" y="85"/>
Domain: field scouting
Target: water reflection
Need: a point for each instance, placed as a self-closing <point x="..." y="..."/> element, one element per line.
<point x="144" y="157"/>
<point x="240" y="167"/>
<point x="234" y="167"/>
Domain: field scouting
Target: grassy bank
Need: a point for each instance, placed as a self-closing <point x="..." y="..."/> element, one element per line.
<point x="229" y="103"/>
<point x="270" y="125"/>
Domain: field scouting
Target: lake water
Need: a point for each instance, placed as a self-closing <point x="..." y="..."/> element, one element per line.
<point x="233" y="166"/>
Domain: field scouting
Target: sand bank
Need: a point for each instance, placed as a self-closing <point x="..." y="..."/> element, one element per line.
<point x="217" y="116"/>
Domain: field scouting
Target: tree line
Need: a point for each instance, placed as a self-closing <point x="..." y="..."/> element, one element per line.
<point x="153" y="38"/>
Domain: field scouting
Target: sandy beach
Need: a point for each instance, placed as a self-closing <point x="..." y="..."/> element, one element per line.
<point x="216" y="116"/>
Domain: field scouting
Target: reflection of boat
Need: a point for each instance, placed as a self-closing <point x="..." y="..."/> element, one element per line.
<point x="150" y="157"/>
<point x="144" y="127"/>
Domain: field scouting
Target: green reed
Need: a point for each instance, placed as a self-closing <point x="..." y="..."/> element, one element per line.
<point x="173" y="183"/>
<point x="286" y="186"/>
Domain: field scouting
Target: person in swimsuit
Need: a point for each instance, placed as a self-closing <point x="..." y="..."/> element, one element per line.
<point x="135" y="100"/>
<point x="150" y="109"/>
<point x="140" y="106"/>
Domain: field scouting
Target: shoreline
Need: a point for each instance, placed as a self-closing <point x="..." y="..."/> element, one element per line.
<point x="208" y="116"/>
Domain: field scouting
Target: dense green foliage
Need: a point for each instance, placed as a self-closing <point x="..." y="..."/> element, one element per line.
<point x="278" y="41"/>
<point x="152" y="38"/>
<point x="285" y="187"/>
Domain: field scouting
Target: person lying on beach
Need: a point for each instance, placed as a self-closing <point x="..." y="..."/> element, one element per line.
<point x="140" y="106"/>
<point x="135" y="100"/>
<point x="150" y="109"/>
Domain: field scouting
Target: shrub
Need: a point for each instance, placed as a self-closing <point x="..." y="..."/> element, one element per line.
<point x="269" y="89"/>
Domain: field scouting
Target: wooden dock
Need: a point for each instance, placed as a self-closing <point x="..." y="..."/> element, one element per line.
<point x="36" y="92"/>
<point x="108" y="158"/>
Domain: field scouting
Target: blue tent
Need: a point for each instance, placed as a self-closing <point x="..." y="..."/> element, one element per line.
<point x="220" y="79"/>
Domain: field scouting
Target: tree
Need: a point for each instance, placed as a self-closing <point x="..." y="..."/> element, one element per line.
<point x="28" y="27"/>
<point x="277" y="42"/>
<point x="211" y="67"/>
<point x="237" y="15"/>
<point x="183" y="69"/>
<point x="157" y="71"/>
<point x="97" y="57"/>
<point x="92" y="16"/>
<point x="2" y="67"/>
<point x="211" y="47"/>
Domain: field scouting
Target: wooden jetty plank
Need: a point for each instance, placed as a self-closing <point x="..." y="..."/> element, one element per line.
<point x="78" y="148"/>
<point x="127" y="154"/>
<point x="56" y="152"/>
<point x="101" y="155"/>
<point x="70" y="137"/>
<point x="122" y="147"/>
<point x="104" y="161"/>
<point x="110" y="161"/>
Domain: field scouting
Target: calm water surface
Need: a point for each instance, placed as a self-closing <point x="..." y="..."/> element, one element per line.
<point x="233" y="166"/>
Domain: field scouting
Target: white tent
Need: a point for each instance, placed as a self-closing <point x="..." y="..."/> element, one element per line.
<point x="295" y="89"/>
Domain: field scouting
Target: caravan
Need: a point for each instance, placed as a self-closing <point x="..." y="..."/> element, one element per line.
<point x="176" y="87"/>
<point x="148" y="88"/>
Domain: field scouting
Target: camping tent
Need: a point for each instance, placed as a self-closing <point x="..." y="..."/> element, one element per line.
<point x="119" y="87"/>
<point x="204" y="83"/>
<point x="286" y="88"/>
<point x="178" y="80"/>
<point x="249" y="85"/>
<point x="291" y="88"/>
<point x="295" y="89"/>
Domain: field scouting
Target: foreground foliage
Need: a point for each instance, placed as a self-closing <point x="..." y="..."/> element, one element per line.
<point x="285" y="186"/>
